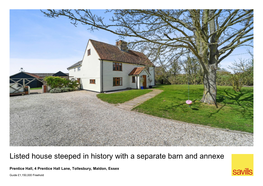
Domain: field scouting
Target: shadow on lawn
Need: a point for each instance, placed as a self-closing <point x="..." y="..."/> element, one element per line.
<point x="183" y="106"/>
<point x="240" y="101"/>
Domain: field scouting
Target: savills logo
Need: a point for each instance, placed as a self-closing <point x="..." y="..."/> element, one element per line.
<point x="242" y="165"/>
<point x="245" y="172"/>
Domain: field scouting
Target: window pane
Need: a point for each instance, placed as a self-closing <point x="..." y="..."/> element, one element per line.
<point x="117" y="81"/>
<point x="92" y="81"/>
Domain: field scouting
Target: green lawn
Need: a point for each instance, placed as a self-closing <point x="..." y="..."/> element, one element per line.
<point x="121" y="97"/>
<point x="235" y="110"/>
<point x="37" y="88"/>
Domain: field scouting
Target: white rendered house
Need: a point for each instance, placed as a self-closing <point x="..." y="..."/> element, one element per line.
<point x="106" y="67"/>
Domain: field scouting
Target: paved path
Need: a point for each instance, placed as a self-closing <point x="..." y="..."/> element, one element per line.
<point x="81" y="119"/>
<point x="36" y="91"/>
<point x="129" y="105"/>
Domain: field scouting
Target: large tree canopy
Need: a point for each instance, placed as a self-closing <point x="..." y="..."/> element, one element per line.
<point x="210" y="35"/>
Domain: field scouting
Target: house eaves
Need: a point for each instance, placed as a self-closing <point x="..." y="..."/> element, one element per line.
<point x="79" y="63"/>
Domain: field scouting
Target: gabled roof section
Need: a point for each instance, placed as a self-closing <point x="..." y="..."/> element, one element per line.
<point x="75" y="65"/>
<point x="137" y="70"/>
<point x="27" y="73"/>
<point x="59" y="73"/>
<point x="41" y="75"/>
<point x="113" y="53"/>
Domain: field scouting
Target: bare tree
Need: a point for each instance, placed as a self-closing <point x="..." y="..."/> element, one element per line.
<point x="210" y="35"/>
<point x="191" y="69"/>
<point x="243" y="69"/>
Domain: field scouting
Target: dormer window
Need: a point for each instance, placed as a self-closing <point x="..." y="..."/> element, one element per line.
<point x="88" y="52"/>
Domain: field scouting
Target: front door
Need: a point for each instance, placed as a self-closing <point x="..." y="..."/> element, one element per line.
<point x="144" y="82"/>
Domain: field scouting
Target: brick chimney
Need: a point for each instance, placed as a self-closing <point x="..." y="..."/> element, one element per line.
<point x="122" y="45"/>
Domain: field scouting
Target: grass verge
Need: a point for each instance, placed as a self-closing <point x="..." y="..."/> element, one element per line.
<point x="37" y="88"/>
<point x="121" y="97"/>
<point x="235" y="109"/>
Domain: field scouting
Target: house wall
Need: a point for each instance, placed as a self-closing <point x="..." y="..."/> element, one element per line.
<point x="90" y="69"/>
<point x="152" y="76"/>
<point x="109" y="74"/>
<point x="140" y="77"/>
<point x="74" y="73"/>
<point x="133" y="85"/>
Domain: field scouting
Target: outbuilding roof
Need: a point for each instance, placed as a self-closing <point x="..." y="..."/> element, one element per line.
<point x="27" y="73"/>
<point x="34" y="75"/>
<point x="41" y="75"/>
<point x="59" y="73"/>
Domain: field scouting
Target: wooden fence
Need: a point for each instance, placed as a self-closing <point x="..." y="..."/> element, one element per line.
<point x="17" y="85"/>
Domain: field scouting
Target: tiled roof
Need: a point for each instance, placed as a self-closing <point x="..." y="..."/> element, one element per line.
<point x="76" y="64"/>
<point x="136" y="71"/>
<point x="34" y="75"/>
<point x="42" y="75"/>
<point x="113" y="53"/>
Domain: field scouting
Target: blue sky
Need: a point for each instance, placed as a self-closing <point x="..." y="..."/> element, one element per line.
<point x="41" y="44"/>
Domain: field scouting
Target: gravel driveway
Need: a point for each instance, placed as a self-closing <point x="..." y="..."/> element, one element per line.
<point x="80" y="119"/>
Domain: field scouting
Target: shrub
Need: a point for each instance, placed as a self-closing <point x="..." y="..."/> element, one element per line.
<point x="237" y="81"/>
<point x="65" y="85"/>
<point x="55" y="90"/>
<point x="73" y="84"/>
<point x="63" y="89"/>
<point x="55" y="82"/>
<point x="66" y="89"/>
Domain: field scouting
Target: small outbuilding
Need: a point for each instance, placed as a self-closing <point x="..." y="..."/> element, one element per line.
<point x="27" y="79"/>
<point x="33" y="79"/>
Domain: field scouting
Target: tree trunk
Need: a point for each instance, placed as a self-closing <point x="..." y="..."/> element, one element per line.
<point x="210" y="89"/>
